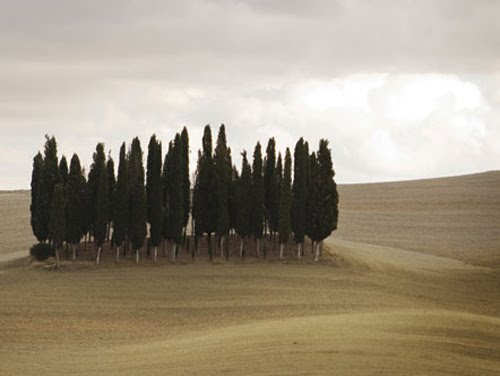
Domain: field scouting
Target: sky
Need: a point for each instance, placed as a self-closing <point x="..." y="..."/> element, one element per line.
<point x="401" y="89"/>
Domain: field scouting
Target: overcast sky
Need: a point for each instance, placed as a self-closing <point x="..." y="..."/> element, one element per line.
<point x="402" y="89"/>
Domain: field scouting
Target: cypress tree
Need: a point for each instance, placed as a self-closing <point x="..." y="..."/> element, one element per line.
<point x="324" y="197"/>
<point x="196" y="207"/>
<point x="75" y="208"/>
<point x="166" y="178"/>
<point x="186" y="184"/>
<point x="57" y="221"/>
<point x="245" y="200"/>
<point x="49" y="177"/>
<point x="63" y="171"/>
<point x="312" y="199"/>
<point x="110" y="167"/>
<point x="285" y="203"/>
<point x="234" y="203"/>
<point x="299" y="202"/>
<point x="257" y="217"/>
<point x="137" y="224"/>
<point x="121" y="203"/>
<point x="36" y="177"/>
<point x="223" y="170"/>
<point x="271" y="187"/>
<point x="154" y="193"/>
<point x="206" y="210"/>
<point x="176" y="202"/>
<point x="279" y="178"/>
<point x="99" y="197"/>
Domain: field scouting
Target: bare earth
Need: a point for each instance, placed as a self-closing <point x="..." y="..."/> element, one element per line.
<point x="388" y="299"/>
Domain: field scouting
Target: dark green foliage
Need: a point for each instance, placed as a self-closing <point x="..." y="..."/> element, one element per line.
<point x="121" y="200"/>
<point x="223" y="170"/>
<point x="137" y="222"/>
<point x="284" y="225"/>
<point x="244" y="194"/>
<point x="279" y="178"/>
<point x="110" y="167"/>
<point x="36" y="177"/>
<point x="186" y="184"/>
<point x="312" y="197"/>
<point x="154" y="190"/>
<point x="42" y="251"/>
<point x="257" y="217"/>
<point x="323" y="198"/>
<point x="234" y="196"/>
<point x="63" y="171"/>
<point x="49" y="177"/>
<point x="299" y="201"/>
<point x="175" y="192"/>
<point x="75" y="209"/>
<point x="271" y="186"/>
<point x="166" y="181"/>
<point x="99" y="195"/>
<point x="57" y="222"/>
<point x="205" y="210"/>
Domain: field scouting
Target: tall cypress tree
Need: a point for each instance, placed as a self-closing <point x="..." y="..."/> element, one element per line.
<point x="99" y="197"/>
<point x="279" y="178"/>
<point x="75" y="208"/>
<point x="110" y="167"/>
<point x="57" y="221"/>
<point x="245" y="199"/>
<point x="206" y="205"/>
<point x="186" y="184"/>
<point x="166" y="181"/>
<point x="223" y="170"/>
<point x="121" y="203"/>
<point x="324" y="197"/>
<point x="176" y="202"/>
<point x="271" y="187"/>
<point x="137" y="224"/>
<point x="299" y="202"/>
<point x="312" y="199"/>
<point x="257" y="219"/>
<point x="284" y="225"/>
<point x="49" y="177"/>
<point x="154" y="193"/>
<point x="63" y="171"/>
<point x="36" y="177"/>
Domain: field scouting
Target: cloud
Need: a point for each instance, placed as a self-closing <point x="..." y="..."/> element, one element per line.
<point x="402" y="89"/>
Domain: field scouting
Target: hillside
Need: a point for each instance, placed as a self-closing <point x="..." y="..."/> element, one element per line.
<point x="455" y="217"/>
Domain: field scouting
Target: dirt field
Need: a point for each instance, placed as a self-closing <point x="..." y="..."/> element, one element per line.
<point x="367" y="309"/>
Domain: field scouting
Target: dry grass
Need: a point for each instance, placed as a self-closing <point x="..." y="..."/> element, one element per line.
<point x="366" y="310"/>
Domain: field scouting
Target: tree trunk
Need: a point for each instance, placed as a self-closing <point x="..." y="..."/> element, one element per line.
<point x="209" y="240"/>
<point x="73" y="247"/>
<point x="257" y="249"/>
<point x="136" y="256"/>
<point x="98" y="257"/>
<point x="321" y="248"/>
<point x="155" y="253"/>
<point x="298" y="250"/>
<point x="58" y="264"/>
<point x="117" y="255"/>
<point x="241" y="247"/>
<point x="222" y="248"/>
<point x="282" y="246"/>
<point x="316" y="257"/>
<point x="174" y="250"/>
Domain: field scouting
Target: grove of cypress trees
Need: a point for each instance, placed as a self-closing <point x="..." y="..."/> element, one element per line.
<point x="299" y="201"/>
<point x="121" y="203"/>
<point x="257" y="219"/>
<point x="100" y="198"/>
<point x="137" y="215"/>
<point x="223" y="170"/>
<point x="154" y="193"/>
<point x="57" y="221"/>
<point x="75" y="209"/>
<point x="36" y="177"/>
<point x="284" y="225"/>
